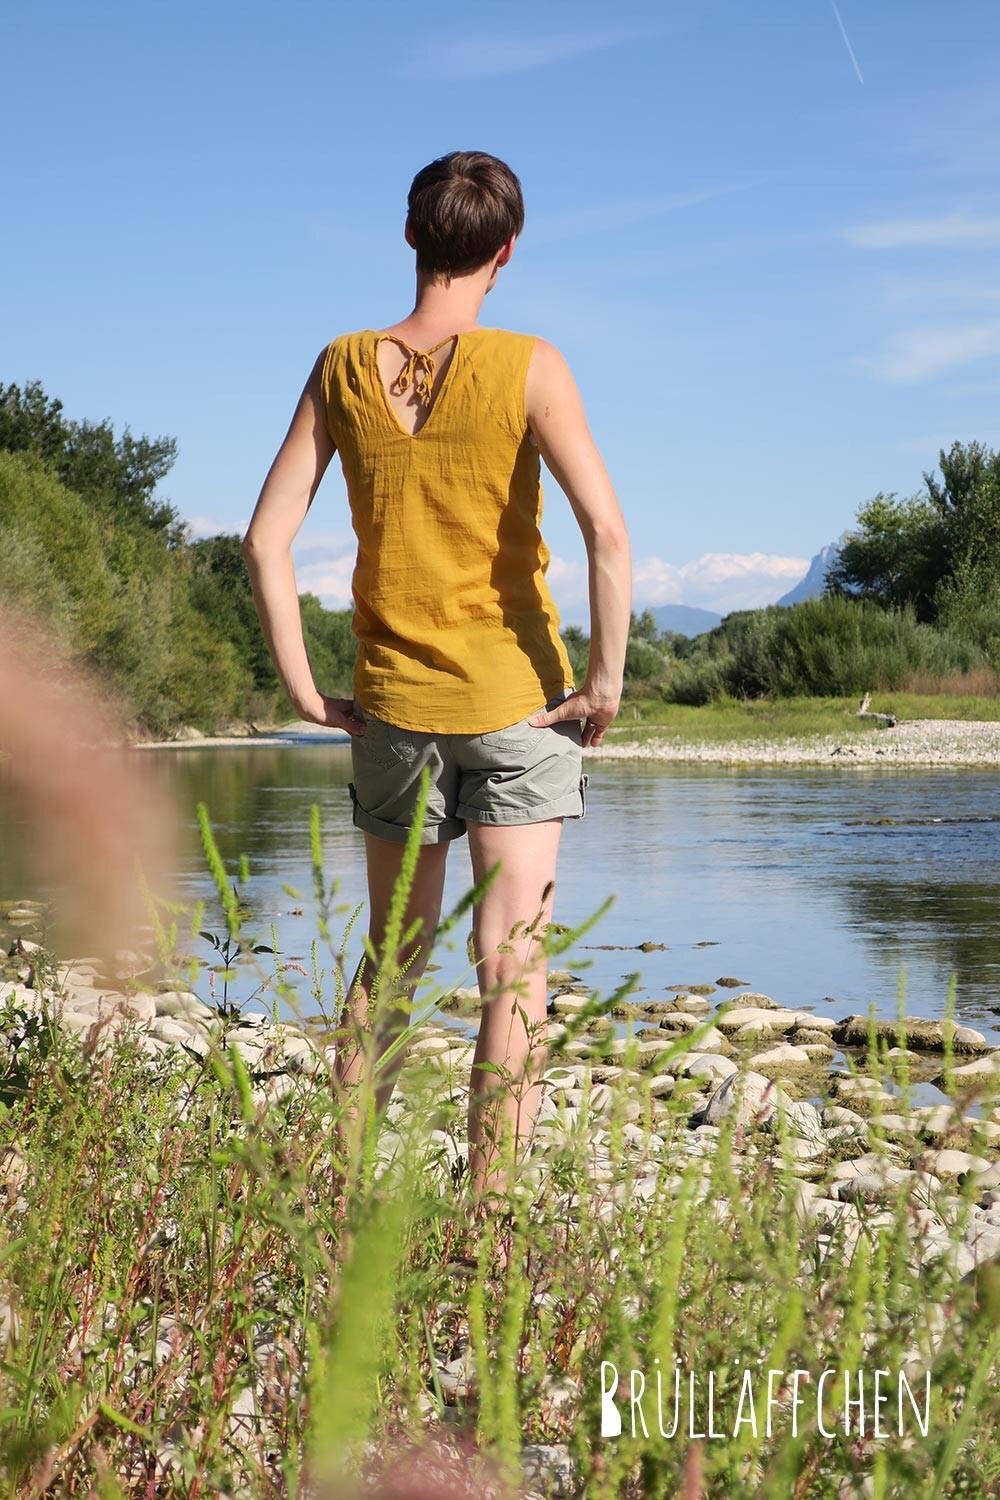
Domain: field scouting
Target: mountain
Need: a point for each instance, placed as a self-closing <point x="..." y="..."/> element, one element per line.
<point x="684" y="618"/>
<point x="812" y="584"/>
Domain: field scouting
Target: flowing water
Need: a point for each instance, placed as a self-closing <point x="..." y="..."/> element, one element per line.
<point x="826" y="888"/>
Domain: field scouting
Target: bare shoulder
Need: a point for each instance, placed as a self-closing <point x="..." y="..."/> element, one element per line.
<point x="549" y="375"/>
<point x="550" y="392"/>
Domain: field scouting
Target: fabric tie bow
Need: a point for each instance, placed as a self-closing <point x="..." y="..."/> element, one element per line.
<point x="418" y="371"/>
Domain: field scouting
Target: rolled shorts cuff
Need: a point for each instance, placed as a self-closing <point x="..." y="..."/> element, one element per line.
<point x="431" y="833"/>
<point x="574" y="805"/>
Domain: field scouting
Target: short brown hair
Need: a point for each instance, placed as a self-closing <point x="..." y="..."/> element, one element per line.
<point x="462" y="208"/>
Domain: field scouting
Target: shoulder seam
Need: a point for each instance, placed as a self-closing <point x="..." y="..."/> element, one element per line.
<point x="326" y="388"/>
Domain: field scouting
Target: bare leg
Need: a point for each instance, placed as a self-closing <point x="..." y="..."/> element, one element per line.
<point x="527" y="855"/>
<point x="358" y="1047"/>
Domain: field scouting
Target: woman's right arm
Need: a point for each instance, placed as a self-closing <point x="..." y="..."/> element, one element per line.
<point x="558" y="425"/>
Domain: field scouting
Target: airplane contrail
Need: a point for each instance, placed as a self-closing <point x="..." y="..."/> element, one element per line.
<point x="847" y="40"/>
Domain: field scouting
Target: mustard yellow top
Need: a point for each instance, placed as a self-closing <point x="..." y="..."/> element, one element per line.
<point x="457" y="631"/>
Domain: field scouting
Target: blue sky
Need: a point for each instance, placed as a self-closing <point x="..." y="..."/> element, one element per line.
<point x="765" y="237"/>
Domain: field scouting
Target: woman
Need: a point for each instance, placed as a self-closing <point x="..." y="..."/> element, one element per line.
<point x="439" y="423"/>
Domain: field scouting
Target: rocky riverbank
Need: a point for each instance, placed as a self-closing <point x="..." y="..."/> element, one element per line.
<point x="918" y="742"/>
<point x="852" y="1135"/>
<point x="818" y="1104"/>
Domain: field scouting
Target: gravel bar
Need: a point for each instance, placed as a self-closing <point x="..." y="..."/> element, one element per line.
<point x="918" y="742"/>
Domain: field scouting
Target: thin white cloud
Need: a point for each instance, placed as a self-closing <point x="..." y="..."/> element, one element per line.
<point x="318" y="541"/>
<point x="202" y="526"/>
<point x="951" y="231"/>
<point x="940" y="292"/>
<point x="493" y="54"/>
<point x="720" y="581"/>
<point x="592" y="218"/>
<point x="847" y="41"/>
<point x="329" y="579"/>
<point x="716" y="580"/>
<point x="920" y="354"/>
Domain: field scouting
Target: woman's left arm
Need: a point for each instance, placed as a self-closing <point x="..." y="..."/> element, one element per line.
<point x="284" y="501"/>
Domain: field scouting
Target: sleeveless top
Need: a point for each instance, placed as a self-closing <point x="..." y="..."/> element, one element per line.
<point x="457" y="631"/>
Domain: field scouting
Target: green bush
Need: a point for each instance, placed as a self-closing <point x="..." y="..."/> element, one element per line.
<point x="697" y="682"/>
<point x="118" y="597"/>
<point x="831" y="646"/>
<point x="52" y="555"/>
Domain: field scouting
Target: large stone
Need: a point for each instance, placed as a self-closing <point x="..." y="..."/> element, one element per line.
<point x="753" y="1096"/>
<point x="570" y="1004"/>
<point x="176" y="1032"/>
<point x="713" y="1040"/>
<point x="949" y="1163"/>
<point x="921" y="1034"/>
<point x="980" y="1070"/>
<point x="869" y="1187"/>
<point x="988" y="1178"/>
<point x="753" y="1020"/>
<point x="836" y="1114"/>
<point x="549" y="1468"/>
<point x="429" y="1046"/>
<point x="679" y="1020"/>
<point x="746" y="1022"/>
<point x="23" y="997"/>
<point x="181" y="1004"/>
<point x="862" y="1091"/>
<point x="782" y="1059"/>
<point x="140" y="1009"/>
<point x="982" y="1239"/>
<point x="661" y="1086"/>
<point x="752" y="999"/>
<point x="461" y="1001"/>
<point x="697" y="1005"/>
<point x="710" y="1065"/>
<point x="803" y="1120"/>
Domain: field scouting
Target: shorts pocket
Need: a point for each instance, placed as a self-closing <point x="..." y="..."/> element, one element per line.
<point x="513" y="735"/>
<point x="384" y="744"/>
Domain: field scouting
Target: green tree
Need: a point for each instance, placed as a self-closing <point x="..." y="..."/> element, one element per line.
<point x="938" y="551"/>
<point x="119" y="474"/>
<point x="221" y="592"/>
<point x="330" y="644"/>
<point x="577" y="644"/>
<point x="897" y="556"/>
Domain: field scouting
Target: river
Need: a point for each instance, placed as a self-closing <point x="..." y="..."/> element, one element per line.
<point x="826" y="888"/>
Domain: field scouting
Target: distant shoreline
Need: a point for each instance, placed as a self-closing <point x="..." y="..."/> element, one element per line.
<point x="918" y="742"/>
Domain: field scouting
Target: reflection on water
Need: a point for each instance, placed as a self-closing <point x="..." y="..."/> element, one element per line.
<point x="817" y="886"/>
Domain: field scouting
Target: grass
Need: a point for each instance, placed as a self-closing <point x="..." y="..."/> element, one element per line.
<point x="196" y="1307"/>
<point x="788" y="718"/>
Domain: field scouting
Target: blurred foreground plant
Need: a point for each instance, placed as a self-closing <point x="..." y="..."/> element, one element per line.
<point x="206" y="1286"/>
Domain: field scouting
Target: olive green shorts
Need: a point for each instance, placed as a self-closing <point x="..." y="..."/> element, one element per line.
<point x="519" y="774"/>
